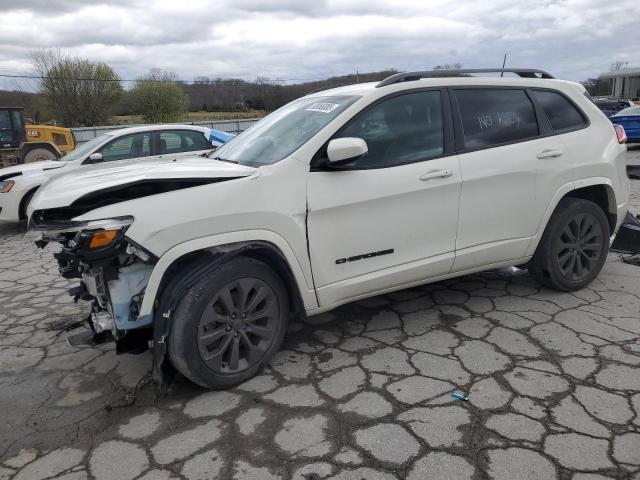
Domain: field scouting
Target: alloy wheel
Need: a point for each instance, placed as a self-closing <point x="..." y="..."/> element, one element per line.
<point x="238" y="325"/>
<point x="579" y="247"/>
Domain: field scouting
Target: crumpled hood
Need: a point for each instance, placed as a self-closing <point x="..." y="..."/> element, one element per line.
<point x="63" y="190"/>
<point x="31" y="168"/>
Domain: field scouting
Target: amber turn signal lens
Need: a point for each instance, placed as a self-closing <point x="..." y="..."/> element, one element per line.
<point x="103" y="238"/>
<point x="6" y="186"/>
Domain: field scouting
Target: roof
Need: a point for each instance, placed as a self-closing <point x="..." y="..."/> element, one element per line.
<point x="148" y="128"/>
<point x="625" y="72"/>
<point x="355" y="89"/>
<point x="462" y="72"/>
<point x="635" y="110"/>
<point x="363" y="89"/>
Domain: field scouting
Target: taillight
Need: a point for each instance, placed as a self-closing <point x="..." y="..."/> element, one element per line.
<point x="620" y="133"/>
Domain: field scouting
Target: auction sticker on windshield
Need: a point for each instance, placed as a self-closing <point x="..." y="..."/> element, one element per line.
<point x="322" y="107"/>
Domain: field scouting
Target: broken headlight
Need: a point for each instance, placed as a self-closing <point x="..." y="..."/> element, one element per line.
<point x="94" y="234"/>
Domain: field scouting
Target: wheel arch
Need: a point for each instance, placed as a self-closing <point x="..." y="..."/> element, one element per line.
<point x="597" y="189"/>
<point x="197" y="252"/>
<point x="602" y="195"/>
<point x="24" y="201"/>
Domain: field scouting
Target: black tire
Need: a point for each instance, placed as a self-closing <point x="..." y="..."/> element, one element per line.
<point x="211" y="342"/>
<point x="574" y="246"/>
<point x="39" y="155"/>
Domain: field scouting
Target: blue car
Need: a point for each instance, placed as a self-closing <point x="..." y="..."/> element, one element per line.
<point x="629" y="118"/>
<point x="218" y="137"/>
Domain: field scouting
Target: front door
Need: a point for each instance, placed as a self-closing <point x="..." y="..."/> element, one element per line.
<point x="389" y="218"/>
<point x="128" y="147"/>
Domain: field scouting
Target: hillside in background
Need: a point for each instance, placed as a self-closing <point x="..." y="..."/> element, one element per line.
<point x="34" y="104"/>
<point x="216" y="98"/>
<point x="263" y="94"/>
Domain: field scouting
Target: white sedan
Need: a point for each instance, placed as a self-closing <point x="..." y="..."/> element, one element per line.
<point x="19" y="183"/>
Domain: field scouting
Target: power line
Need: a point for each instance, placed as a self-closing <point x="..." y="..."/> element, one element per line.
<point x="41" y="77"/>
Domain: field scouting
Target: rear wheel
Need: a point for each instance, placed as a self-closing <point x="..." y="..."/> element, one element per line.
<point x="574" y="246"/>
<point x="230" y="324"/>
<point x="38" y="155"/>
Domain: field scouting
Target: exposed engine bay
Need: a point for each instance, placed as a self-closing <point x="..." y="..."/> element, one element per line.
<point x="113" y="274"/>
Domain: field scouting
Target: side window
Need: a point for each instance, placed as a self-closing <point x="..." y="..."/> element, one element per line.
<point x="168" y="142"/>
<point x="562" y="114"/>
<point x="130" y="146"/>
<point x="496" y="116"/>
<point x="59" y="139"/>
<point x="194" y="140"/>
<point x="176" y="141"/>
<point x="399" y="130"/>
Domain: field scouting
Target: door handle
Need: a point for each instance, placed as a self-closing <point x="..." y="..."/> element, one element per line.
<point x="436" y="174"/>
<point x="549" y="154"/>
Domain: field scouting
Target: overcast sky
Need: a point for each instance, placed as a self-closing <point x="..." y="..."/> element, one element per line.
<point x="291" y="40"/>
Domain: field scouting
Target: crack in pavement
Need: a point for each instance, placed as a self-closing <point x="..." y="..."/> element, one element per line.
<point x="553" y="384"/>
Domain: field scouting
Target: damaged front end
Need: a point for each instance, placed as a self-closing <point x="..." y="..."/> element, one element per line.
<point x="627" y="239"/>
<point x="113" y="273"/>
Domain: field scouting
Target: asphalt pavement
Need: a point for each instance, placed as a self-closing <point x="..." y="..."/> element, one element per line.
<point x="364" y="392"/>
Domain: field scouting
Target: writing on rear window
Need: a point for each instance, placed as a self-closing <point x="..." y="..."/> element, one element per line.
<point x="322" y="107"/>
<point x="502" y="119"/>
<point x="494" y="116"/>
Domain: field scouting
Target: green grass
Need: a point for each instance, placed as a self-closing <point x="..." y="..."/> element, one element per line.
<point x="190" y="117"/>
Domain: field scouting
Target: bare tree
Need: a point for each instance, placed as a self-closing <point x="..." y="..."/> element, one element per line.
<point x="158" y="97"/>
<point x="618" y="65"/>
<point x="597" y="86"/>
<point x="81" y="92"/>
<point x="448" y="66"/>
<point x="267" y="92"/>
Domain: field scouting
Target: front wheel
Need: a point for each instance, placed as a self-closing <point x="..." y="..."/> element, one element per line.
<point x="574" y="246"/>
<point x="39" y="155"/>
<point x="230" y="324"/>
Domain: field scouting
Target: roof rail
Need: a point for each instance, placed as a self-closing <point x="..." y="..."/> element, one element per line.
<point x="410" y="76"/>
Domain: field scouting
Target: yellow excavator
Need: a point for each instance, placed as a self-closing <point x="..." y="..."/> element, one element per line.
<point x="24" y="143"/>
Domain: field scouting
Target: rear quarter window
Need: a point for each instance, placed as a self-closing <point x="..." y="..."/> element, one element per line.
<point x="562" y="114"/>
<point x="495" y="116"/>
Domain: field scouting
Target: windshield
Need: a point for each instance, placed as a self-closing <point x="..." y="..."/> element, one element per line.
<point x="84" y="149"/>
<point x="281" y="133"/>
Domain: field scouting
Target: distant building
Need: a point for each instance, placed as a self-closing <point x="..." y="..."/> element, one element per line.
<point x="624" y="83"/>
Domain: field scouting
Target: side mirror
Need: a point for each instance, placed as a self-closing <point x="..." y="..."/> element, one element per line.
<point x="343" y="150"/>
<point x="95" y="158"/>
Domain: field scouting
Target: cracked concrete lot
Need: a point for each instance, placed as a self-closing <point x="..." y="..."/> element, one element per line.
<point x="363" y="392"/>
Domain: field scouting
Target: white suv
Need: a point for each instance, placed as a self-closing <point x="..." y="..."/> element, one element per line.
<point x="19" y="183"/>
<point x="337" y="196"/>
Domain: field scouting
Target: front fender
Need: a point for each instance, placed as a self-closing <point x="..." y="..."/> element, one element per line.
<point x="305" y="283"/>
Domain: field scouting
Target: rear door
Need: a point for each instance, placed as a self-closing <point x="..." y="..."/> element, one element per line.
<point x="507" y="162"/>
<point x="390" y="217"/>
<point x="181" y="143"/>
